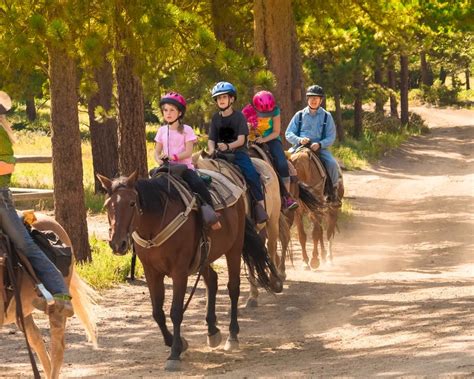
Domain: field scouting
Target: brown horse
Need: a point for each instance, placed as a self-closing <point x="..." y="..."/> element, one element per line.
<point x="277" y="228"/>
<point x="299" y="190"/>
<point x="314" y="176"/>
<point x="82" y="299"/>
<point x="146" y="209"/>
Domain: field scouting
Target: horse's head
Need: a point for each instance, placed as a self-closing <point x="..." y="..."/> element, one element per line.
<point x="122" y="206"/>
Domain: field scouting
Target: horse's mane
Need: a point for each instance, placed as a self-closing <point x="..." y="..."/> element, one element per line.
<point x="152" y="193"/>
<point x="155" y="192"/>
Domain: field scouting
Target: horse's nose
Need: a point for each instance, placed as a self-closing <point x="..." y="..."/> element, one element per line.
<point x="118" y="247"/>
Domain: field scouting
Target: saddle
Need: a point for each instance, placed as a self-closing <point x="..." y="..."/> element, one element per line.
<point x="49" y="243"/>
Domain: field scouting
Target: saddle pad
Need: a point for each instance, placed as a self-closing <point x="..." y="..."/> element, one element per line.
<point x="264" y="169"/>
<point x="227" y="169"/>
<point x="223" y="191"/>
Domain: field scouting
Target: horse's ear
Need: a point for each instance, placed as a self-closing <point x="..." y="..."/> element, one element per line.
<point x="130" y="181"/>
<point x="106" y="182"/>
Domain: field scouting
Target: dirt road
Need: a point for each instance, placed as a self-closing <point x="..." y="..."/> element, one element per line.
<point x="398" y="301"/>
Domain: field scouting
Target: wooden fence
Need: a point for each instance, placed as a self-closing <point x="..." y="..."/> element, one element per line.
<point x="29" y="194"/>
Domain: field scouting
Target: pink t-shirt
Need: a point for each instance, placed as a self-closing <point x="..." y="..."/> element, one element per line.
<point x="177" y="142"/>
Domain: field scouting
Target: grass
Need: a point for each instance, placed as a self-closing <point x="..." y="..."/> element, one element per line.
<point x="106" y="270"/>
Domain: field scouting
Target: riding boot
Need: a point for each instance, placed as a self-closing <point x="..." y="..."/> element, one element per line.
<point x="260" y="214"/>
<point x="62" y="305"/>
<point x="210" y="217"/>
<point x="333" y="198"/>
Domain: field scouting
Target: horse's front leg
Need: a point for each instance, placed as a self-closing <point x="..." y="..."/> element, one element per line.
<point x="302" y="238"/>
<point x="317" y="237"/>
<point x="214" y="336"/>
<point x="233" y="265"/>
<point x="36" y="341"/>
<point x="155" y="281"/>
<point x="180" y="282"/>
<point x="57" y="326"/>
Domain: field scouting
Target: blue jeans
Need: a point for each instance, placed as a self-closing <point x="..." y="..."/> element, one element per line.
<point x="251" y="175"/>
<point x="12" y="225"/>
<point x="331" y="165"/>
<point x="279" y="157"/>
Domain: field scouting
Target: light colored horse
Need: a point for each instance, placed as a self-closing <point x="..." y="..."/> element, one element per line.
<point x="309" y="173"/>
<point x="277" y="227"/>
<point x="82" y="300"/>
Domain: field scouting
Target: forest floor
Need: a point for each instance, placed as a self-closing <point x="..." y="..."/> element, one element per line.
<point x="397" y="302"/>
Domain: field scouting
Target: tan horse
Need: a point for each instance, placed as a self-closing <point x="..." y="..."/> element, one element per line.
<point x="277" y="227"/>
<point x="82" y="299"/>
<point x="309" y="173"/>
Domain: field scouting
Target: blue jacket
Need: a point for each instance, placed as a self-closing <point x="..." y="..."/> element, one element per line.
<point x="312" y="128"/>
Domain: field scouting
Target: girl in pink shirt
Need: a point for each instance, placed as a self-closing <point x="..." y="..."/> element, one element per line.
<point x="174" y="142"/>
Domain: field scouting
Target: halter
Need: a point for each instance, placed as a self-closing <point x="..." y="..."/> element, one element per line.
<point x="167" y="231"/>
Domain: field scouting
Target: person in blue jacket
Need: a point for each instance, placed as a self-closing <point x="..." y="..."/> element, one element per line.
<point x="314" y="126"/>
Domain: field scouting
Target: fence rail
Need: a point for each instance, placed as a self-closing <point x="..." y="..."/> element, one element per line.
<point x="30" y="194"/>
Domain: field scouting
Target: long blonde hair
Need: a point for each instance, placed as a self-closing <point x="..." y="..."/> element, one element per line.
<point x="7" y="127"/>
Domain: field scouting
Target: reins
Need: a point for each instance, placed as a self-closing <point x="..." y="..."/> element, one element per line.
<point x="19" y="307"/>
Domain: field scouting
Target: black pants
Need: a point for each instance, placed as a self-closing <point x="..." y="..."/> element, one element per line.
<point x="197" y="185"/>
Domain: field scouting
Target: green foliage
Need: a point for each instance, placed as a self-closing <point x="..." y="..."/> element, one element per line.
<point x="106" y="269"/>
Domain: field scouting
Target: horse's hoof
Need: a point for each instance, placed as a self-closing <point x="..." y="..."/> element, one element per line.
<point x="251" y="303"/>
<point x="306" y="266"/>
<point x="185" y="344"/>
<point x="314" y="265"/>
<point x="277" y="286"/>
<point x="231" y="344"/>
<point x="173" y="365"/>
<point x="214" y="340"/>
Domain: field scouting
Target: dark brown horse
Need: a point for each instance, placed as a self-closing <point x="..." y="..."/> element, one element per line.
<point x="145" y="208"/>
<point x="313" y="175"/>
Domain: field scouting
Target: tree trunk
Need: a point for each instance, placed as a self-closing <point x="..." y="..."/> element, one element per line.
<point x="104" y="138"/>
<point x="274" y="38"/>
<point x="358" y="106"/>
<point x="378" y="75"/>
<point x="404" y="118"/>
<point x="426" y="72"/>
<point x="442" y="75"/>
<point x="30" y="108"/>
<point x="392" y="84"/>
<point x="222" y="22"/>
<point x="338" y="118"/>
<point x="468" y="78"/>
<point x="69" y="205"/>
<point x="132" y="136"/>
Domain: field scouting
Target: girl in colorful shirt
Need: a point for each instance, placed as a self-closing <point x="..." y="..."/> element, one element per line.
<point x="174" y="142"/>
<point x="11" y="224"/>
<point x="263" y="117"/>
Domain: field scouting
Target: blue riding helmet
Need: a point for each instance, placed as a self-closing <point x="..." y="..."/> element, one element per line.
<point x="222" y="88"/>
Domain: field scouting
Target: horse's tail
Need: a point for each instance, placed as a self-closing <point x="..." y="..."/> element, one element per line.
<point x="285" y="237"/>
<point x="256" y="256"/>
<point x="307" y="197"/>
<point x="83" y="299"/>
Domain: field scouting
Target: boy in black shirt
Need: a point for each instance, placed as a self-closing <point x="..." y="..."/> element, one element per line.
<point x="228" y="132"/>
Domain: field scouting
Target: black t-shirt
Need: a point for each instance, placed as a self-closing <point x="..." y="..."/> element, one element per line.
<point x="227" y="129"/>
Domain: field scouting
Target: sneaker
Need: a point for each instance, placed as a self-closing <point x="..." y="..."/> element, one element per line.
<point x="62" y="305"/>
<point x="290" y="203"/>
<point x="260" y="214"/>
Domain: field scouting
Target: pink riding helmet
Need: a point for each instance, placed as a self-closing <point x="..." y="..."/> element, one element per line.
<point x="264" y="102"/>
<point x="251" y="115"/>
<point x="174" y="98"/>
